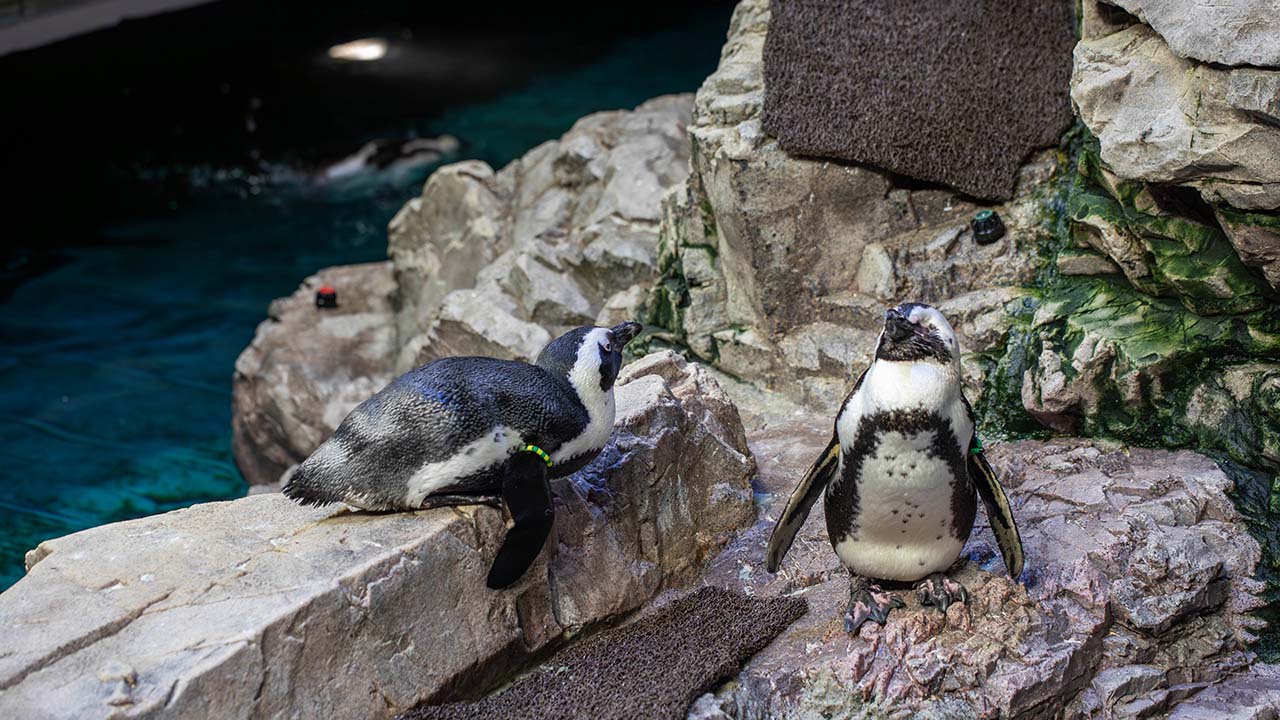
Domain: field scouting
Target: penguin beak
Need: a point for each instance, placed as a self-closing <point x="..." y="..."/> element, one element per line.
<point x="896" y="325"/>
<point x="624" y="333"/>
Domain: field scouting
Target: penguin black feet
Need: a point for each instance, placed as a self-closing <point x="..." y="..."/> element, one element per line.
<point x="939" y="591"/>
<point x="867" y="602"/>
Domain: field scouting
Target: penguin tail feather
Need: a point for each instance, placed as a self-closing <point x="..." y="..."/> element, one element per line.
<point x="306" y="489"/>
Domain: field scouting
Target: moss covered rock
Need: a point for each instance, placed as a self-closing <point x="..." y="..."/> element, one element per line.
<point x="1166" y="243"/>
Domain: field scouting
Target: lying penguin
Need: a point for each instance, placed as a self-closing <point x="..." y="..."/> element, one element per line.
<point x="465" y="430"/>
<point x="899" y="474"/>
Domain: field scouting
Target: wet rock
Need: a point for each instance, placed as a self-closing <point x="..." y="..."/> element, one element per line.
<point x="262" y="608"/>
<point x="760" y="251"/>
<point x="307" y="368"/>
<point x="1163" y="118"/>
<point x="1136" y="595"/>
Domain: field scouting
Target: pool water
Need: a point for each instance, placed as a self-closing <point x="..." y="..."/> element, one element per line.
<point x="116" y="365"/>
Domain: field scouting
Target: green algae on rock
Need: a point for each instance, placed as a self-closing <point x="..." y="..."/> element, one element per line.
<point x="1180" y="350"/>
<point x="1156" y="238"/>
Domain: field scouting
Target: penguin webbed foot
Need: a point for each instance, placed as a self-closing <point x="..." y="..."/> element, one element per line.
<point x="940" y="591"/>
<point x="868" y="602"/>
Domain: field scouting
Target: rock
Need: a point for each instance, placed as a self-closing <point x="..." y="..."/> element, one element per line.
<point x="1257" y="92"/>
<point x="1235" y="33"/>
<point x="476" y="322"/>
<point x="760" y="251"/>
<point x="622" y="306"/>
<point x="1256" y="238"/>
<point x="1095" y="357"/>
<point x="1163" y="243"/>
<point x="262" y="608"/>
<point x="565" y="227"/>
<point x="1251" y="695"/>
<point x="440" y="241"/>
<point x="1137" y="595"/>
<point x="306" y="368"/>
<point x="1163" y="118"/>
<point x="1077" y="262"/>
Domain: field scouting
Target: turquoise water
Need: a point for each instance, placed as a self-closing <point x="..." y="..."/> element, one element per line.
<point x="116" y="366"/>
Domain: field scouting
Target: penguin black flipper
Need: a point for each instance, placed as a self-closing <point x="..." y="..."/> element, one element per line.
<point x="997" y="503"/>
<point x="802" y="499"/>
<point x="527" y="495"/>
<point x="811" y="487"/>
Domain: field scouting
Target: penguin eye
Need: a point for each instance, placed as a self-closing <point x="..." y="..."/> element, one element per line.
<point x="607" y="346"/>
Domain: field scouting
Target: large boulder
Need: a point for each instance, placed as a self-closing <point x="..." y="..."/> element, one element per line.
<point x="261" y="608"/>
<point x="548" y="239"/>
<point x="777" y="268"/>
<point x="1137" y="597"/>
<point x="1164" y="118"/>
<point x="307" y="367"/>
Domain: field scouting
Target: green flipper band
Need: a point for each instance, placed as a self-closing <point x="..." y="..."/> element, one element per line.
<point x="978" y="442"/>
<point x="537" y="451"/>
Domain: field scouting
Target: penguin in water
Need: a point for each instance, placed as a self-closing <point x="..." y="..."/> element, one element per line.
<point x="468" y="430"/>
<point x="899" y="475"/>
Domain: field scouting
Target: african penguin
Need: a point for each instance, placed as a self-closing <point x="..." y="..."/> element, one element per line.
<point x="463" y="430"/>
<point x="899" y="475"/>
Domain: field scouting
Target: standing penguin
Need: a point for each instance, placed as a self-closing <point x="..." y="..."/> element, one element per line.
<point x="464" y="430"/>
<point x="899" y="474"/>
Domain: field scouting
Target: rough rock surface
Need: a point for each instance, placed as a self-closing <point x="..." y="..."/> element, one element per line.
<point x="262" y="608"/>
<point x="1135" y="602"/>
<point x="777" y="268"/>
<point x="547" y="240"/>
<point x="1164" y="118"/>
<point x="307" y="368"/>
<point x="1228" y="33"/>
<point x="483" y="263"/>
<point x="1256" y="238"/>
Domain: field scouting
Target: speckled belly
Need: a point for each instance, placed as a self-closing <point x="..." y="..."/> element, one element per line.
<point x="903" y="525"/>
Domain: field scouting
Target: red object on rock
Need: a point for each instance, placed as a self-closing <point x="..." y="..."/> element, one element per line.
<point x="326" y="297"/>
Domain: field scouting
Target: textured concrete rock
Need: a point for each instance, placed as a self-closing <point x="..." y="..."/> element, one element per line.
<point x="1228" y="33"/>
<point x="1163" y="118"/>
<point x="1100" y="359"/>
<point x="1256" y="237"/>
<point x="262" y="608"/>
<point x="1137" y="596"/>
<point x="308" y="367"/>
<point x="763" y="253"/>
<point x="559" y="230"/>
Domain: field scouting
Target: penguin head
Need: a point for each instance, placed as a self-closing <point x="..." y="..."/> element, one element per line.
<point x="914" y="332"/>
<point x="588" y="357"/>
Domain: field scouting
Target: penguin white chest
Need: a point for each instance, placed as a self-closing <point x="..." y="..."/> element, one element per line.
<point x="902" y="528"/>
